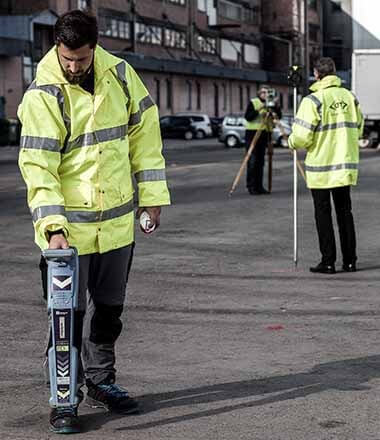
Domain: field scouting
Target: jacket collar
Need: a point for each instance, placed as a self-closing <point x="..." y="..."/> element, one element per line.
<point x="327" y="81"/>
<point x="49" y="70"/>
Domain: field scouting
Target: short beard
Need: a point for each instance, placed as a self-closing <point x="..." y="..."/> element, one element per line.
<point x="77" y="79"/>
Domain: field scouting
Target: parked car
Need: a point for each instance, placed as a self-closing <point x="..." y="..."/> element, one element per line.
<point x="233" y="132"/>
<point x="280" y="136"/>
<point x="178" y="127"/>
<point x="201" y="122"/>
<point x="216" y="126"/>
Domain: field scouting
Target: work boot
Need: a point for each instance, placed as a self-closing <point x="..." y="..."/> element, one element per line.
<point x="258" y="192"/>
<point x="111" y="397"/>
<point x="323" y="268"/>
<point x="351" y="267"/>
<point x="64" y="420"/>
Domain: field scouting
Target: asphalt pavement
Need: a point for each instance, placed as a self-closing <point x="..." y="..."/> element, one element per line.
<point x="224" y="337"/>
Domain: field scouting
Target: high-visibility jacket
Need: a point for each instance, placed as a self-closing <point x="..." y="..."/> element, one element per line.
<point x="256" y="124"/>
<point x="79" y="151"/>
<point x="328" y="124"/>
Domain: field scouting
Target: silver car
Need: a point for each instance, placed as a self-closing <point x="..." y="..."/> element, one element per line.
<point x="233" y="132"/>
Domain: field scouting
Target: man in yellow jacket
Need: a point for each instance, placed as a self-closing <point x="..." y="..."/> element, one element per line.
<point x="328" y="125"/>
<point x="88" y="126"/>
<point x="255" y="113"/>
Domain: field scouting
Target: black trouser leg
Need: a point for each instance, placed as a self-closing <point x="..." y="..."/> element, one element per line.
<point x="323" y="219"/>
<point x="255" y="166"/>
<point x="342" y="202"/>
<point x="108" y="277"/>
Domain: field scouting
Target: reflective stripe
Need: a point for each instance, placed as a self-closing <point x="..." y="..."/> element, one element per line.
<point x="57" y="93"/>
<point x="44" y="211"/>
<point x="341" y="166"/>
<point x="304" y="124"/>
<point x="120" y="70"/>
<point x="316" y="101"/>
<point x="98" y="216"/>
<point x="82" y="216"/>
<point x="144" y="104"/>
<point x="335" y="125"/>
<point x="150" y="175"/>
<point x="52" y="90"/>
<point x="40" y="143"/>
<point x="98" y="136"/>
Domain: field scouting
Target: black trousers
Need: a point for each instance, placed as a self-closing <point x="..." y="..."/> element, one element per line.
<point x="255" y="166"/>
<point x="323" y="219"/>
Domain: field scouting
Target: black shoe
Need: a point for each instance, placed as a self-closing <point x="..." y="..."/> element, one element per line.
<point x="111" y="397"/>
<point x="349" y="267"/>
<point x="64" y="420"/>
<point x="258" y="192"/>
<point x="323" y="268"/>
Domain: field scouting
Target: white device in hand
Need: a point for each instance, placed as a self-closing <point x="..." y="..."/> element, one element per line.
<point x="146" y="223"/>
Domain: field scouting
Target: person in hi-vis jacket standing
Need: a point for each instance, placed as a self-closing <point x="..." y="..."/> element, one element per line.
<point x="88" y="126"/>
<point x="328" y="125"/>
<point x="254" y="115"/>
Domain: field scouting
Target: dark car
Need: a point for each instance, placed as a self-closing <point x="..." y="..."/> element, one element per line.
<point x="216" y="126"/>
<point x="177" y="127"/>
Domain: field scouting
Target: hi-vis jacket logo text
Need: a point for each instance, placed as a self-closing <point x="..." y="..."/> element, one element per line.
<point x="339" y="105"/>
<point x="62" y="282"/>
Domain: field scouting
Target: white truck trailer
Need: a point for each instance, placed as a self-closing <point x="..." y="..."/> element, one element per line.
<point x="366" y="87"/>
<point x="366" y="64"/>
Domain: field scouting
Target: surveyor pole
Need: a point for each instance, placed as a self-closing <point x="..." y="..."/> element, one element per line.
<point x="295" y="80"/>
<point x="295" y="190"/>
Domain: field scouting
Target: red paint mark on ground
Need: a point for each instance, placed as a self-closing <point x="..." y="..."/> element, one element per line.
<point x="275" y="327"/>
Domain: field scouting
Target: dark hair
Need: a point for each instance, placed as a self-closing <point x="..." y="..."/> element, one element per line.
<point x="325" y="66"/>
<point x="75" y="29"/>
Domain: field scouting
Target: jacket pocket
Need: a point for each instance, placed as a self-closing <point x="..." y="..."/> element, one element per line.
<point x="78" y="196"/>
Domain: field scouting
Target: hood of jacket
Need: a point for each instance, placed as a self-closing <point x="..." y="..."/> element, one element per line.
<point x="49" y="70"/>
<point x="327" y="81"/>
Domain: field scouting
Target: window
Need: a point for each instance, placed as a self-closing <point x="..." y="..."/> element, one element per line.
<point x="29" y="70"/>
<point x="230" y="10"/>
<point x="248" y="90"/>
<point x="178" y="2"/>
<point x="202" y="5"/>
<point x="158" y="92"/>
<point x="148" y="33"/>
<point x="84" y="4"/>
<point x="199" y="96"/>
<point x="252" y="15"/>
<point x="312" y="4"/>
<point x="206" y="44"/>
<point x="313" y="32"/>
<point x="241" y="97"/>
<point x="173" y="38"/>
<point x="234" y="121"/>
<point x="169" y="94"/>
<point x="189" y="93"/>
<point x="216" y="99"/>
<point x="224" y="96"/>
<point x="114" y="27"/>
